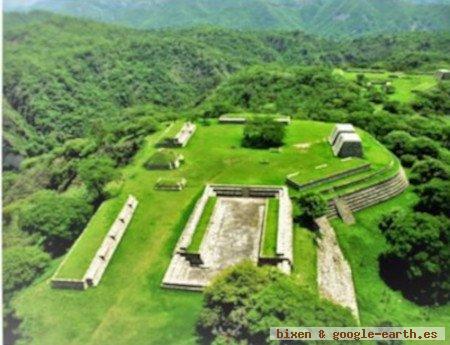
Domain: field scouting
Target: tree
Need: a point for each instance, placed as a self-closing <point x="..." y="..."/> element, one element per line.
<point x="313" y="205"/>
<point x="244" y="302"/>
<point x="263" y="133"/>
<point x="434" y="197"/>
<point x="95" y="173"/>
<point x="399" y="142"/>
<point x="417" y="261"/>
<point x="423" y="147"/>
<point x="428" y="169"/>
<point x="58" y="219"/>
<point x="21" y="265"/>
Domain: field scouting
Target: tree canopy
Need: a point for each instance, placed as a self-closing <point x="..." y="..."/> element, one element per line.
<point x="243" y="303"/>
<point x="58" y="219"/>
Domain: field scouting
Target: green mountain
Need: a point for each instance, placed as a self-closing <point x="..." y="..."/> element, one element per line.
<point x="333" y="18"/>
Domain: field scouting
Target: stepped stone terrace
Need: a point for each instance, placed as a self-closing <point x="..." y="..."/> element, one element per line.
<point x="236" y="230"/>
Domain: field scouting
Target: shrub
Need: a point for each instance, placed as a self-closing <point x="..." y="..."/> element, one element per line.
<point x="313" y="205"/>
<point x="423" y="147"/>
<point x="21" y="265"/>
<point x="263" y="133"/>
<point x="418" y="259"/>
<point x="95" y="172"/>
<point x="244" y="301"/>
<point x="428" y="169"/>
<point x="399" y="142"/>
<point x="56" y="218"/>
<point x="408" y="160"/>
<point x="434" y="197"/>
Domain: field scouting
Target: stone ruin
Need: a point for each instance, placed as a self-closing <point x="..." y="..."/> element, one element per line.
<point x="338" y="129"/>
<point x="234" y="234"/>
<point x="345" y="141"/>
<point x="164" y="159"/>
<point x="182" y="137"/>
<point x="443" y="74"/>
<point x="162" y="184"/>
<point x="226" y="119"/>
<point x="105" y="252"/>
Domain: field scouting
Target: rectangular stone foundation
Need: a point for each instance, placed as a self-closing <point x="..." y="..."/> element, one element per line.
<point x="233" y="234"/>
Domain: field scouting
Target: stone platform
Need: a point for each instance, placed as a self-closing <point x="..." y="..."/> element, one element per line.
<point x="234" y="234"/>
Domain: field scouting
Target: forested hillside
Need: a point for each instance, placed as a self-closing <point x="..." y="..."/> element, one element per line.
<point x="332" y="18"/>
<point x="81" y="71"/>
<point x="81" y="98"/>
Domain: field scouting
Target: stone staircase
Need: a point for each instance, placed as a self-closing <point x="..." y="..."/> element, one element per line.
<point x="344" y="211"/>
<point x="372" y="195"/>
<point x="180" y="274"/>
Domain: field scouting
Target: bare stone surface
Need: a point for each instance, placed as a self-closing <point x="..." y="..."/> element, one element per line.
<point x="334" y="275"/>
<point x="234" y="232"/>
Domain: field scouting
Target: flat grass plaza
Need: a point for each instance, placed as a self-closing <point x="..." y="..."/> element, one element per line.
<point x="130" y="306"/>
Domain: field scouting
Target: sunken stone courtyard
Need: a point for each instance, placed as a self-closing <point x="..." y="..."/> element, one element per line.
<point x="234" y="232"/>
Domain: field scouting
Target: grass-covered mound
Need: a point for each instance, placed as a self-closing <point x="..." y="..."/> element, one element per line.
<point x="163" y="159"/>
<point x="170" y="184"/>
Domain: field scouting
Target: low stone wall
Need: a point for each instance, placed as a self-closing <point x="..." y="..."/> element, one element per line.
<point x="112" y="239"/>
<point x="191" y="225"/>
<point x="285" y="229"/>
<point x="185" y="134"/>
<point x="170" y="166"/>
<point x="313" y="183"/>
<point x="246" y="191"/>
<point x="160" y="185"/>
<point x="224" y="119"/>
<point x="72" y="284"/>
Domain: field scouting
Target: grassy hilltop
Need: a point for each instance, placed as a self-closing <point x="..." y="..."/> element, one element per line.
<point x="130" y="296"/>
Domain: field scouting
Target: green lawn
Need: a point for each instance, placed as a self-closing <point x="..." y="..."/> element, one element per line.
<point x="269" y="248"/>
<point x="129" y="306"/>
<point x="405" y="84"/>
<point x="329" y="171"/>
<point x="362" y="244"/>
<point x="202" y="225"/>
<point x="305" y="257"/>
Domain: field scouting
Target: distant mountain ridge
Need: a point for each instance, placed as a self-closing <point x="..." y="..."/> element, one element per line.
<point x="331" y="18"/>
